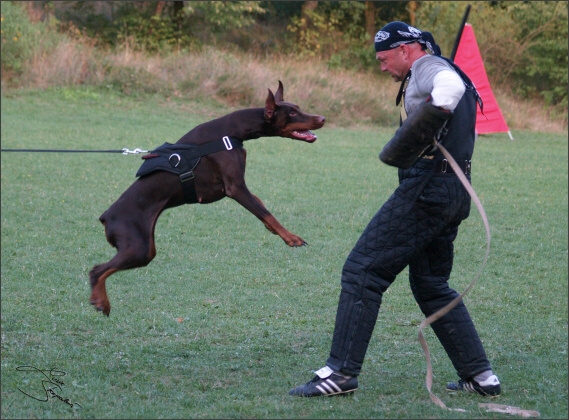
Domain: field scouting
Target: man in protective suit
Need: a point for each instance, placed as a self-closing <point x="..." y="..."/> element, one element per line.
<point x="417" y="225"/>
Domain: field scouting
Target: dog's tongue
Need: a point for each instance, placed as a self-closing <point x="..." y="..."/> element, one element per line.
<point x="307" y="135"/>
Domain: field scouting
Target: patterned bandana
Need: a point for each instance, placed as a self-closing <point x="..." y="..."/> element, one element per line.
<point x="398" y="33"/>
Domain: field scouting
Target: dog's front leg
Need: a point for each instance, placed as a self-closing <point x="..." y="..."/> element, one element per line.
<point x="272" y="224"/>
<point x="254" y="204"/>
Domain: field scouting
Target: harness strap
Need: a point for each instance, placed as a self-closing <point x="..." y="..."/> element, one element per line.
<point x="191" y="151"/>
<point x="185" y="157"/>
<point x="225" y="143"/>
<point x="188" y="185"/>
<point x="187" y="177"/>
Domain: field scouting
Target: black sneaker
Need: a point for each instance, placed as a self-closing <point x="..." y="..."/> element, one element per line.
<point x="326" y="383"/>
<point x="488" y="388"/>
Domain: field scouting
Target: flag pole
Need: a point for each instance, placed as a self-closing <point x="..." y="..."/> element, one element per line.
<point x="459" y="35"/>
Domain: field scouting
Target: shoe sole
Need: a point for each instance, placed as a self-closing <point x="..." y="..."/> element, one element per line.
<point x="473" y="392"/>
<point x="340" y="394"/>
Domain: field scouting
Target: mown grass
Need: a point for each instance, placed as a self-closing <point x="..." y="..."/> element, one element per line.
<point x="227" y="318"/>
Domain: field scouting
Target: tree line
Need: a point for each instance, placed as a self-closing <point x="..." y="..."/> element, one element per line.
<point x="523" y="43"/>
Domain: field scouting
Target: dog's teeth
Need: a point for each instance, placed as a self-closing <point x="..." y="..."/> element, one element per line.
<point x="304" y="135"/>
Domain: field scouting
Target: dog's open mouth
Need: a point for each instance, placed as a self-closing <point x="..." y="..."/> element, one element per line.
<point x="307" y="135"/>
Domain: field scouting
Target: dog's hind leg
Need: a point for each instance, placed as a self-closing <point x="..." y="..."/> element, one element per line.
<point x="98" y="275"/>
<point x="136" y="255"/>
<point x="134" y="240"/>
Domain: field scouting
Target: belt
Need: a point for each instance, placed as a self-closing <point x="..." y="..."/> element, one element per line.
<point x="442" y="166"/>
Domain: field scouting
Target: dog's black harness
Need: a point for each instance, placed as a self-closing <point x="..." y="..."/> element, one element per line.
<point x="182" y="159"/>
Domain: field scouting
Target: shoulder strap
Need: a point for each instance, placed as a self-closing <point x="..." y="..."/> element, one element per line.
<point x="225" y="143"/>
<point x="192" y="151"/>
<point x="402" y="87"/>
<point x="467" y="82"/>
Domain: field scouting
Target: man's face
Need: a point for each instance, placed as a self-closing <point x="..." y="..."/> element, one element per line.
<point x="394" y="61"/>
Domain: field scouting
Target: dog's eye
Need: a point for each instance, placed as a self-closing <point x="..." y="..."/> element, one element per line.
<point x="293" y="114"/>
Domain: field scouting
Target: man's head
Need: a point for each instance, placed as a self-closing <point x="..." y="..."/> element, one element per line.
<point x="398" y="45"/>
<point x="398" y="61"/>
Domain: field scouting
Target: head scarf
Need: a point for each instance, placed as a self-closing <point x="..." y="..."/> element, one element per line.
<point x="398" y="33"/>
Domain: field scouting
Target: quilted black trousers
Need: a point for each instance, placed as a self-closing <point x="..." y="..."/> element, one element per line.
<point x="416" y="227"/>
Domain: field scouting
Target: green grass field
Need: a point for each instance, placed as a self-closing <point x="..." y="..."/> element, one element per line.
<point x="227" y="318"/>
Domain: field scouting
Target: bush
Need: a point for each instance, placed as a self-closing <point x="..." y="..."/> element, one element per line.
<point x="523" y="44"/>
<point x="543" y="69"/>
<point x="132" y="81"/>
<point x="21" y="39"/>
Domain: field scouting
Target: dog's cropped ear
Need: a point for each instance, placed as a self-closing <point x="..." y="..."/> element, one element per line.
<point x="270" y="106"/>
<point x="280" y="93"/>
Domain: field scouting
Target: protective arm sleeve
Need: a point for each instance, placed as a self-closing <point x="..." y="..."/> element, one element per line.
<point x="448" y="88"/>
<point x="415" y="136"/>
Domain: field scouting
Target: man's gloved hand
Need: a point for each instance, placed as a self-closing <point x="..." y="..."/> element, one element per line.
<point x="415" y="136"/>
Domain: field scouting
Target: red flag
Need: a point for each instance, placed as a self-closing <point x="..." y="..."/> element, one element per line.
<point x="468" y="58"/>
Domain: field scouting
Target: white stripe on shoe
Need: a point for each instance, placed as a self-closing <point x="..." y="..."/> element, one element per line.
<point x="468" y="386"/>
<point x="328" y="387"/>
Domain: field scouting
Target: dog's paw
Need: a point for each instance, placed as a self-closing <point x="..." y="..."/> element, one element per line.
<point x="101" y="306"/>
<point x="295" y="241"/>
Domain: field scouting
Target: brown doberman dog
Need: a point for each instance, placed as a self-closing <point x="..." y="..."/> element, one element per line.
<point x="130" y="221"/>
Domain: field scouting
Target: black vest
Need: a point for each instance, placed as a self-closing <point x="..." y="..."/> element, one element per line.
<point x="460" y="135"/>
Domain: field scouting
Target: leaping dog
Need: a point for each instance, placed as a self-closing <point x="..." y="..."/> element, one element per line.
<point x="205" y="165"/>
